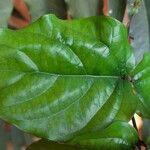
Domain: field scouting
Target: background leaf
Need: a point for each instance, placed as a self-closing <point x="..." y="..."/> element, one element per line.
<point x="117" y="8"/>
<point x="139" y="23"/>
<point x="5" y="12"/>
<point x="38" y="8"/>
<point x="5" y="135"/>
<point x="84" y="8"/>
<point x="146" y="132"/>
<point x="147" y="4"/>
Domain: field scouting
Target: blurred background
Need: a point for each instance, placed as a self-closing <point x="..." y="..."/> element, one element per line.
<point x="135" y="14"/>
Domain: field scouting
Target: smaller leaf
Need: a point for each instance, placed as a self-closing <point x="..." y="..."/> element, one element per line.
<point x="142" y="82"/>
<point x="134" y="6"/>
<point x="117" y="136"/>
<point x="50" y="145"/>
<point x="109" y="138"/>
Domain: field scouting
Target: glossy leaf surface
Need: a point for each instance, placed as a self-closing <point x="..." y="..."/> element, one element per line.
<point x="62" y="79"/>
<point x="142" y="85"/>
<point x="108" y="138"/>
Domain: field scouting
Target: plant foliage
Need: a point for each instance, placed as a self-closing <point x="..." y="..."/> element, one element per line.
<point x="73" y="81"/>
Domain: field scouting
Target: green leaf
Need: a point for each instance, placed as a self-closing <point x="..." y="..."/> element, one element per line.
<point x="50" y="145"/>
<point x="5" y="12"/>
<point x="109" y="45"/>
<point x="142" y="85"/>
<point x="108" y="138"/>
<point x="58" y="81"/>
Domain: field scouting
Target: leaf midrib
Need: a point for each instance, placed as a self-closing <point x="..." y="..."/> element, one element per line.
<point x="64" y="75"/>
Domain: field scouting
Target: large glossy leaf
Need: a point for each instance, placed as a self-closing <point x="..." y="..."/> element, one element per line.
<point x="109" y="138"/>
<point x="65" y="78"/>
<point x="106" y="37"/>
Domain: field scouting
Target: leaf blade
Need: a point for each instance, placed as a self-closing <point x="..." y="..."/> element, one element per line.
<point x="142" y="80"/>
<point x="88" y="42"/>
<point x="53" y="69"/>
<point x="108" y="138"/>
<point x="76" y="94"/>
